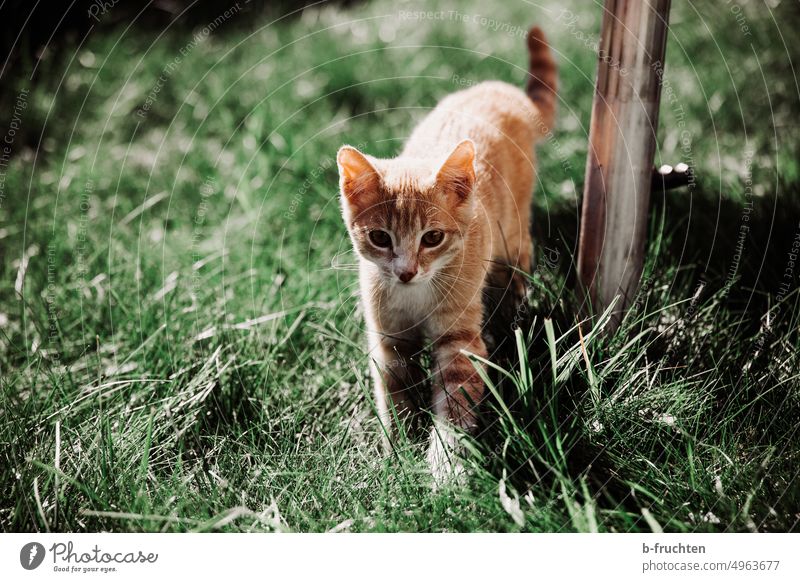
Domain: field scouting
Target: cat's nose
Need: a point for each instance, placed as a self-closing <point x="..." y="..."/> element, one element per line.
<point x="406" y="276"/>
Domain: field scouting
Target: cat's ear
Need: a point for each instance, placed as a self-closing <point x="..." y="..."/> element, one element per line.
<point x="457" y="174"/>
<point x="357" y="176"/>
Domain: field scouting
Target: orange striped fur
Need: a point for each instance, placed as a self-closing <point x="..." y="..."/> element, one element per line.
<point x="429" y="224"/>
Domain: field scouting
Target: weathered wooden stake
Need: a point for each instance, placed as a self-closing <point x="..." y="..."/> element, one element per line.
<point x="622" y="140"/>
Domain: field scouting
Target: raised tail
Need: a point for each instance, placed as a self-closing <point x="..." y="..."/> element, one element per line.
<point x="542" y="77"/>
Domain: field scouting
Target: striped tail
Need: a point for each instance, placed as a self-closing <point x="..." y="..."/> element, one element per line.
<point x="542" y="77"/>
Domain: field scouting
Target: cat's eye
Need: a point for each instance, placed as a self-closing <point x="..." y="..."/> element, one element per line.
<point x="432" y="238"/>
<point x="380" y="238"/>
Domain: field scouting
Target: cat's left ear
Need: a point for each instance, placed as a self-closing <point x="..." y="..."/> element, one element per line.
<point x="457" y="174"/>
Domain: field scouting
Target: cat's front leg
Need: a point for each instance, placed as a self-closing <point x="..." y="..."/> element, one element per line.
<point x="397" y="379"/>
<point x="458" y="390"/>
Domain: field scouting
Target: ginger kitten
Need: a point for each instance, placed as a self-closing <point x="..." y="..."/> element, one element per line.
<point x="428" y="226"/>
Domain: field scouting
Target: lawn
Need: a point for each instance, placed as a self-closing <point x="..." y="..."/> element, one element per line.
<point x="180" y="340"/>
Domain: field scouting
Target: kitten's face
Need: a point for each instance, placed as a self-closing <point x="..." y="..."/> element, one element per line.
<point x="407" y="217"/>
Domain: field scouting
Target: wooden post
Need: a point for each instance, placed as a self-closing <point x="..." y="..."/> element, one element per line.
<point x="622" y="140"/>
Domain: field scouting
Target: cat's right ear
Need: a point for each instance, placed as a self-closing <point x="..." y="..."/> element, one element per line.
<point x="357" y="176"/>
<point x="457" y="173"/>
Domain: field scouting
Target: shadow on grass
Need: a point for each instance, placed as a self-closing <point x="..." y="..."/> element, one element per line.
<point x="726" y="263"/>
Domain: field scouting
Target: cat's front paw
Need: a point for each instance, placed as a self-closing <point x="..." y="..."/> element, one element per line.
<point x="444" y="459"/>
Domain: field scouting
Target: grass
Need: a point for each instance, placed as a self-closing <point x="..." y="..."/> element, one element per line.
<point x="181" y="342"/>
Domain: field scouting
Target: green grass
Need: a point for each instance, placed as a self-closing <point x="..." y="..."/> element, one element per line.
<point x="181" y="343"/>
